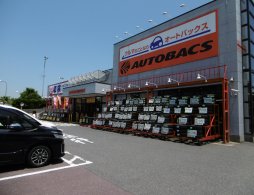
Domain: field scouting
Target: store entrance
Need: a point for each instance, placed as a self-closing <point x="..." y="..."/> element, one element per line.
<point x="91" y="106"/>
<point x="90" y="109"/>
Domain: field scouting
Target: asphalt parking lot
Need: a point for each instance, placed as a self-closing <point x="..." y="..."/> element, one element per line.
<point x="102" y="162"/>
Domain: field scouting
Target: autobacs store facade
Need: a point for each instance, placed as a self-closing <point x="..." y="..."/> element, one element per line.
<point x="191" y="78"/>
<point x="205" y="53"/>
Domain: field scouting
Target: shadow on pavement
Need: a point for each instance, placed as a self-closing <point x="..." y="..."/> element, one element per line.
<point x="12" y="167"/>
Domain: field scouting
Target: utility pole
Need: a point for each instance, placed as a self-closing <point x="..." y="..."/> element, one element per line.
<point x="43" y="76"/>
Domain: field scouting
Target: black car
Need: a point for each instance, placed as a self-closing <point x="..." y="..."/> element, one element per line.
<point x="24" y="138"/>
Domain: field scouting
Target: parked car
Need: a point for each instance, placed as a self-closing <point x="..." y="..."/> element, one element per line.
<point x="24" y="138"/>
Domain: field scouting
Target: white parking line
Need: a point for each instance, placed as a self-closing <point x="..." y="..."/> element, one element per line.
<point x="70" y="162"/>
<point x="77" y="139"/>
<point x="71" y="165"/>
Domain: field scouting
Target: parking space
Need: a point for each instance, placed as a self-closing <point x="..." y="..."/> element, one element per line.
<point x="17" y="171"/>
<point x="101" y="162"/>
<point x="70" y="160"/>
<point x="69" y="175"/>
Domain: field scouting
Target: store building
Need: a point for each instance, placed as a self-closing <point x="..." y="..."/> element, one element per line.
<point x="78" y="99"/>
<point x="208" y="50"/>
<point x="86" y="94"/>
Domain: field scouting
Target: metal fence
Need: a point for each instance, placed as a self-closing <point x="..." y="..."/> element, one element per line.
<point x="181" y="77"/>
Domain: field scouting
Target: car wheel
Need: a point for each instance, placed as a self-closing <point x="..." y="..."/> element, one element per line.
<point x="39" y="156"/>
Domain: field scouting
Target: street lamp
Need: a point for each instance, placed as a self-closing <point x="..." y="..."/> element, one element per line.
<point x="150" y="83"/>
<point x="105" y="90"/>
<point x="165" y="14"/>
<point x="120" y="88"/>
<point x="151" y="21"/>
<point x="127" y="33"/>
<point x="43" y="76"/>
<point x="140" y="28"/>
<point x="170" y="80"/>
<point x="132" y="85"/>
<point x="199" y="76"/>
<point x="5" y="87"/>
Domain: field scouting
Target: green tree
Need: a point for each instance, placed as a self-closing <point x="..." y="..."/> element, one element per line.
<point x="6" y="100"/>
<point x="30" y="98"/>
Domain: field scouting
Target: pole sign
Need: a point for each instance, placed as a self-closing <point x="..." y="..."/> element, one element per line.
<point x="193" y="40"/>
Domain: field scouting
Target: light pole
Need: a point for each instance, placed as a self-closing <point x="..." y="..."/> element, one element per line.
<point x="151" y="21"/>
<point x="165" y="14"/>
<point x="43" y="76"/>
<point x="127" y="33"/>
<point x="5" y="87"/>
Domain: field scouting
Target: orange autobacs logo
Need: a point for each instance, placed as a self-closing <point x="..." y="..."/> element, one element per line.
<point x="167" y="50"/>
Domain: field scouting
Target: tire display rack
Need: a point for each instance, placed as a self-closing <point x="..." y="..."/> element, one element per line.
<point x="185" y="119"/>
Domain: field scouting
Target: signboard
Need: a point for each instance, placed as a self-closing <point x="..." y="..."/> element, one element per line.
<point x="77" y="92"/>
<point x="193" y="40"/>
<point x="56" y="89"/>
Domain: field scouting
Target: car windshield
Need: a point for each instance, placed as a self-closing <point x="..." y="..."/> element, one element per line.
<point x="30" y="119"/>
<point x="26" y="116"/>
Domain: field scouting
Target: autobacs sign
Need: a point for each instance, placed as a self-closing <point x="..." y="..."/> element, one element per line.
<point x="191" y="41"/>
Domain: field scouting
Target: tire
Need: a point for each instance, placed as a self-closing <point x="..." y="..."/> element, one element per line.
<point x="39" y="156"/>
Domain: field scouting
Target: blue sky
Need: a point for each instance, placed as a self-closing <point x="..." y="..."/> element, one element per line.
<point x="77" y="36"/>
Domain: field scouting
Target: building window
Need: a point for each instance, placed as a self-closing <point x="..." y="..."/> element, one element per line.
<point x="244" y="32"/>
<point x="244" y="18"/>
<point x="251" y="7"/>
<point x="243" y="5"/>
